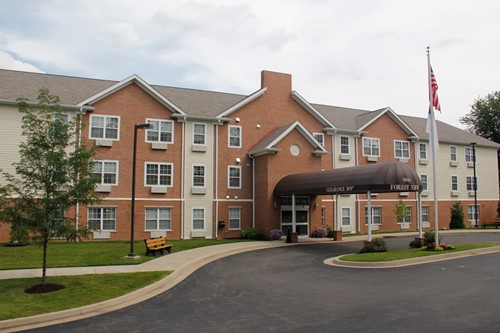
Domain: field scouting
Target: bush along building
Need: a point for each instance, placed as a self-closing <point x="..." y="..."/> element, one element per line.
<point x="209" y="164"/>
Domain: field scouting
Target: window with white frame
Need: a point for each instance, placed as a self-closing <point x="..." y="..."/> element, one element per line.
<point x="234" y="176"/>
<point x="198" y="219"/>
<point x="104" y="127"/>
<point x="469" y="154"/>
<point x="471" y="212"/>
<point x="158" y="218"/>
<point x="323" y="211"/>
<point x="234" y="218"/>
<point x="453" y="153"/>
<point x="199" y="131"/>
<point x="160" y="131"/>
<point x="371" y="147"/>
<point x="469" y="181"/>
<point x="376" y="215"/>
<point x="158" y="174"/>
<point x="425" y="214"/>
<point x="320" y="138"/>
<point x="199" y="175"/>
<point x="401" y="149"/>
<point x="423" y="151"/>
<point x="454" y="183"/>
<point x="407" y="217"/>
<point x="344" y="145"/>
<point x="106" y="172"/>
<point x="102" y="218"/>
<point x="424" y="181"/>
<point x="346" y="216"/>
<point x="234" y="139"/>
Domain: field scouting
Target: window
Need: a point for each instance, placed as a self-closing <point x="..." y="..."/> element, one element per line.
<point x="407" y="217"/>
<point x="425" y="214"/>
<point x="198" y="219"/>
<point x="102" y="218"/>
<point x="158" y="219"/>
<point x="323" y="211"/>
<point x="371" y="147"/>
<point x="423" y="180"/>
<point x="158" y="174"/>
<point x="199" y="134"/>
<point x="469" y="154"/>
<point x="453" y="153"/>
<point x="106" y="172"/>
<point x="454" y="183"/>
<point x="234" y="218"/>
<point x="401" y="149"/>
<point x="104" y="127"/>
<point x="423" y="151"/>
<point x="346" y="216"/>
<point x="469" y="183"/>
<point x="471" y="213"/>
<point x="320" y="138"/>
<point x="376" y="215"/>
<point x="234" y="139"/>
<point x="161" y="131"/>
<point x="344" y="145"/>
<point x="234" y="177"/>
<point x="199" y="175"/>
<point x="299" y="201"/>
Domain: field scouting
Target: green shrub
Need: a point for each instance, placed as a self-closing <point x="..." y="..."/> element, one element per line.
<point x="252" y="233"/>
<point x="430" y="238"/>
<point x="416" y="243"/>
<point x="457" y="216"/>
<point x="329" y="231"/>
<point x="377" y="245"/>
<point x="19" y="235"/>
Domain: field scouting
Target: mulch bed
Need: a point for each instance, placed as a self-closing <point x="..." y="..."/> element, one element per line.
<point x="44" y="288"/>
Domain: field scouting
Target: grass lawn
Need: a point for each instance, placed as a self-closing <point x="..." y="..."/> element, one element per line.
<point x="80" y="290"/>
<point x="96" y="253"/>
<point x="411" y="253"/>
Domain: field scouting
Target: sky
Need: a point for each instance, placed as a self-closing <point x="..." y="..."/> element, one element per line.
<point x="362" y="54"/>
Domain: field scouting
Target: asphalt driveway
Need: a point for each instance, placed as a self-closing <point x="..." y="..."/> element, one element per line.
<point x="289" y="289"/>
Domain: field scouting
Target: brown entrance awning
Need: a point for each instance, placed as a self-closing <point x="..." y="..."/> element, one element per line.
<point x="376" y="178"/>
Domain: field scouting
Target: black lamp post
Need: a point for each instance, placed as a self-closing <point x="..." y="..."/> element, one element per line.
<point x="474" y="182"/>
<point x="132" y="213"/>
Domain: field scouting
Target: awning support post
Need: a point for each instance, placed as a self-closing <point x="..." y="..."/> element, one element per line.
<point x="369" y="216"/>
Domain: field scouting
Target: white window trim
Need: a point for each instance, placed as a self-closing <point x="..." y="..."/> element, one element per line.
<point x="420" y="151"/>
<point x="473" y="207"/>
<point x="471" y="184"/>
<point x="159" y="120"/>
<point x="229" y="136"/>
<point x="204" y="134"/>
<point x="229" y="176"/>
<point x="458" y="182"/>
<point x="366" y="215"/>
<point x="342" y="216"/>
<point x="204" y="218"/>
<point x="159" y="163"/>
<point x="428" y="214"/>
<point x="371" y="149"/>
<point x="229" y="218"/>
<point x="117" y="172"/>
<point x="348" y="144"/>
<point x="402" y="150"/>
<point x="456" y="152"/>
<point x="427" y="176"/>
<point x="157" y="219"/>
<point x="104" y="134"/>
<point x="204" y="175"/>
<point x="471" y="155"/>
<point x="102" y="217"/>
<point x="322" y="140"/>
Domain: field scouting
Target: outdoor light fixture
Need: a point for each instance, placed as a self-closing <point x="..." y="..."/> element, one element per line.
<point x="474" y="182"/>
<point x="136" y="127"/>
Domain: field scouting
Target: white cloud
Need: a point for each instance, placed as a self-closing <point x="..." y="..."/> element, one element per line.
<point x="8" y="62"/>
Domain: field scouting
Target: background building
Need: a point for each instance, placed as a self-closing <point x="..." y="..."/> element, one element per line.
<point x="210" y="162"/>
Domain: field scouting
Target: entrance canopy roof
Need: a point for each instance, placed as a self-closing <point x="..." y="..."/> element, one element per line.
<point x="376" y="178"/>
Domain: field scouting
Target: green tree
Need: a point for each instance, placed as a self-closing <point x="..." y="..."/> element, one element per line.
<point x="401" y="211"/>
<point x="457" y="216"/>
<point x="484" y="117"/>
<point x="54" y="173"/>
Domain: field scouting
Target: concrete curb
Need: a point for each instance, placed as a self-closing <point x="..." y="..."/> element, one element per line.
<point x="336" y="261"/>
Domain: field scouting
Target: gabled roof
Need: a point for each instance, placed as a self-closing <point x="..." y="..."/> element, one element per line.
<point x="311" y="109"/>
<point x="133" y="79"/>
<point x="367" y="119"/>
<point x="243" y="102"/>
<point x="268" y="144"/>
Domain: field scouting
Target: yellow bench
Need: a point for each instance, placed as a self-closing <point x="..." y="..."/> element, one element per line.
<point x="155" y="245"/>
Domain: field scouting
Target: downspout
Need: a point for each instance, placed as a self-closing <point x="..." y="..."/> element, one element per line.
<point x="418" y="194"/>
<point x="356" y="163"/>
<point x="216" y="179"/>
<point x="183" y="156"/>
<point x="335" y="198"/>
<point x="253" y="190"/>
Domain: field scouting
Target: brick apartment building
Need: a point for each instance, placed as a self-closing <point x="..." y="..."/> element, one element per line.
<point x="210" y="163"/>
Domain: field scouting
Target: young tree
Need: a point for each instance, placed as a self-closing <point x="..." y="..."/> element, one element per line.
<point x="457" y="216"/>
<point x="400" y="211"/>
<point x="53" y="174"/>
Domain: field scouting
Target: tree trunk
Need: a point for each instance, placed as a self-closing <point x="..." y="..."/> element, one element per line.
<point x="44" y="265"/>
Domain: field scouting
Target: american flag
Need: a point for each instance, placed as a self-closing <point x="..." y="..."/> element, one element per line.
<point x="434" y="95"/>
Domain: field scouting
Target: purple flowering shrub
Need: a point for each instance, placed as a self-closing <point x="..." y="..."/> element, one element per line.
<point x="275" y="234"/>
<point x="319" y="233"/>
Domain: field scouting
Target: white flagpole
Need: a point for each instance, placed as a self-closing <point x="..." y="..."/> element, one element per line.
<point x="432" y="143"/>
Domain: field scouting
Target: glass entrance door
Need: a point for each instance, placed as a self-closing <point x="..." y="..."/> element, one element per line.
<point x="301" y="215"/>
